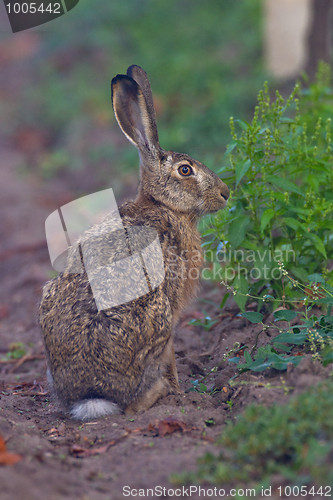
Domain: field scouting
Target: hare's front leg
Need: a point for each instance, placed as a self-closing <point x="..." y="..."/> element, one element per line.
<point x="171" y="373"/>
<point x="167" y="384"/>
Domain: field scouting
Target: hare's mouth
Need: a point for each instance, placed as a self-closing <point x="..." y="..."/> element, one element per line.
<point x="222" y="203"/>
<point x="217" y="209"/>
<point x="212" y="207"/>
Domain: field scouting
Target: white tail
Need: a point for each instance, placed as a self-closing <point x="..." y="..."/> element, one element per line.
<point x="88" y="409"/>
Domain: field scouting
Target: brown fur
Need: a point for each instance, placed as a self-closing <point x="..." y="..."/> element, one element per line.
<point x="125" y="353"/>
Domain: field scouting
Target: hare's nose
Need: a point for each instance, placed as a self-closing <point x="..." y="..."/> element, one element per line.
<point x="225" y="192"/>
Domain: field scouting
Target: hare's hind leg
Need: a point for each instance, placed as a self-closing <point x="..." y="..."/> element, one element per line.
<point x="167" y="384"/>
<point x="160" y="389"/>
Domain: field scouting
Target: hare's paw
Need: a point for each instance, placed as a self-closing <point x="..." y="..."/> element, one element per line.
<point x="160" y="389"/>
<point x="177" y="390"/>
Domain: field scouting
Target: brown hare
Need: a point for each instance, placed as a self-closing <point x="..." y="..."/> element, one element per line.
<point x="121" y="359"/>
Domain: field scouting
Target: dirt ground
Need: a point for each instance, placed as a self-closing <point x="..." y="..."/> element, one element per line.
<point x="59" y="458"/>
<point x="65" y="459"/>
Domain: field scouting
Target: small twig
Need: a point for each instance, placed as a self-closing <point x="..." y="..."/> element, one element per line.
<point x="81" y="452"/>
<point x="6" y="361"/>
<point x="256" y="342"/>
<point x="234" y="396"/>
<point x="26" y="357"/>
<point x="266" y="385"/>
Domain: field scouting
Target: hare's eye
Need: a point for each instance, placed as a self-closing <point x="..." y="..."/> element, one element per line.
<point x="185" y="170"/>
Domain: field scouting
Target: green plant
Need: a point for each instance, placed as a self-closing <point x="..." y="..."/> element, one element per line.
<point x="265" y="357"/>
<point x="314" y="333"/>
<point x="210" y="422"/>
<point x="230" y="404"/>
<point x="292" y="440"/>
<point x="199" y="386"/>
<point x="16" y="350"/>
<point x="206" y="323"/>
<point x="279" y="169"/>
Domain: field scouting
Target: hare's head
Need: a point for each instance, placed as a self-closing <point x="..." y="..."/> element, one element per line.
<point x="182" y="184"/>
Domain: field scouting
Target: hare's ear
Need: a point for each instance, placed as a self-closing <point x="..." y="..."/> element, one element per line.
<point x="141" y="78"/>
<point x="133" y="114"/>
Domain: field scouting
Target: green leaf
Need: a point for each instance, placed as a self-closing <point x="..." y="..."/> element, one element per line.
<point x="240" y="283"/>
<point x="266" y="218"/>
<point x="249" y="245"/>
<point x="327" y="355"/>
<point x="247" y="357"/>
<point x="284" y="184"/>
<point x="281" y="364"/>
<point x="326" y="300"/>
<point x="316" y="278"/>
<point x="253" y="317"/>
<point x="243" y="124"/>
<point x="241" y="170"/>
<point x="224" y="300"/>
<point x="234" y="360"/>
<point x="237" y="229"/>
<point x="291" y="338"/>
<point x="202" y="388"/>
<point x="286" y="119"/>
<point x="283" y="347"/>
<point x="293" y="223"/>
<point x="260" y="366"/>
<point x="299" y="272"/>
<point x="230" y="148"/>
<point x="318" y="243"/>
<point x="284" y="315"/>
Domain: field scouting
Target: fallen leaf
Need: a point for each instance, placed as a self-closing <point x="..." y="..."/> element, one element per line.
<point x="170" y="425"/>
<point x="82" y="452"/>
<point x="2" y="445"/>
<point x="167" y="426"/>
<point x="152" y="427"/>
<point x="137" y="430"/>
<point x="52" y="431"/>
<point x="7" y="458"/>
<point x="208" y="439"/>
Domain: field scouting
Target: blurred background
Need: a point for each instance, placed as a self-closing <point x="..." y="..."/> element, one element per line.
<point x="206" y="62"/>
